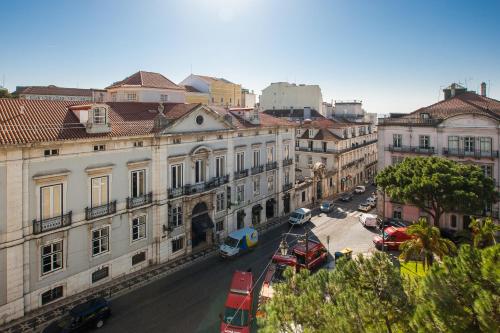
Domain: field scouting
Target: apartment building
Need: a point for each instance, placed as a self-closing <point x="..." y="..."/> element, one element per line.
<point x="336" y="156"/>
<point x="462" y="127"/>
<point x="286" y="96"/>
<point x="194" y="95"/>
<point x="54" y="93"/>
<point x="221" y="92"/>
<point x="90" y="192"/>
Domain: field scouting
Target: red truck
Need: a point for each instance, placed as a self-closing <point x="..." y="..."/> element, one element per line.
<point x="237" y="317"/>
<point x="393" y="237"/>
<point x="302" y="256"/>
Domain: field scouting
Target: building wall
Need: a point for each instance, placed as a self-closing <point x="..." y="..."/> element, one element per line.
<point x="146" y="95"/>
<point x="248" y="100"/>
<point x="56" y="97"/>
<point x="220" y="93"/>
<point x="283" y="95"/>
<point x="192" y="97"/>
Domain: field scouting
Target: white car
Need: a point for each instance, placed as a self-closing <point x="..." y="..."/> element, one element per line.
<point x="365" y="207"/>
<point x="300" y="216"/>
<point x="359" y="189"/>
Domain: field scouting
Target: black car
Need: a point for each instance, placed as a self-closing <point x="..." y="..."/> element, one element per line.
<point x="90" y="314"/>
<point x="391" y="222"/>
<point x="346" y="197"/>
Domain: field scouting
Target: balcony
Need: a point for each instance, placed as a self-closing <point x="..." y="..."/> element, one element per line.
<point x="240" y="174"/>
<point x="408" y="121"/>
<point x="411" y="150"/>
<point x="189" y="189"/>
<point x="287" y="187"/>
<point x="100" y="211"/>
<point x="353" y="163"/>
<point x="271" y="166"/>
<point x="134" y="202"/>
<point x="462" y="153"/>
<point x="257" y="169"/>
<point x="51" y="223"/>
<point x="333" y="150"/>
<point x="287" y="161"/>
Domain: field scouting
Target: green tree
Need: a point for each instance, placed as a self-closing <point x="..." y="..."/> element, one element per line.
<point x="362" y="295"/>
<point x="461" y="294"/>
<point x="425" y="243"/>
<point x="437" y="185"/>
<point x="483" y="232"/>
<point x="4" y="93"/>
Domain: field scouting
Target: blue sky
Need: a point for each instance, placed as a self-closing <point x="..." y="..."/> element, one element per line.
<point x="393" y="55"/>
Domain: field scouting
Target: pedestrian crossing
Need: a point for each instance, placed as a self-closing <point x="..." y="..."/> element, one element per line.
<point x="351" y="213"/>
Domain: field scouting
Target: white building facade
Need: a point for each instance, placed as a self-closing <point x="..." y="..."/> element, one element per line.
<point x="463" y="128"/>
<point x="286" y="96"/>
<point x="135" y="184"/>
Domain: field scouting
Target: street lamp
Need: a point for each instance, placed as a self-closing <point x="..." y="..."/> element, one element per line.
<point x="283" y="247"/>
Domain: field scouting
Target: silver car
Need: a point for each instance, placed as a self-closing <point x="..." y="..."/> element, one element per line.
<point x="326" y="206"/>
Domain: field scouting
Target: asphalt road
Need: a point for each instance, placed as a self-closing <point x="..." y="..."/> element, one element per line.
<point x="191" y="300"/>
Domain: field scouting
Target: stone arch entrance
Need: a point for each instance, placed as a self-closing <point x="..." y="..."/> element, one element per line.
<point x="201" y="225"/>
<point x="270" y="208"/>
<point x="319" y="172"/>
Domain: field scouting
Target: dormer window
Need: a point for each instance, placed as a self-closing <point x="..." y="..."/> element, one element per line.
<point x="131" y="97"/>
<point x="164" y="98"/>
<point x="99" y="116"/>
<point x="424" y="115"/>
<point x="311" y="133"/>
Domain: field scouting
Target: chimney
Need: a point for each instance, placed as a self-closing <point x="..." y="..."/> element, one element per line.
<point x="483" y="89"/>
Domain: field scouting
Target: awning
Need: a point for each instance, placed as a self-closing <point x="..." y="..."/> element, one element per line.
<point x="201" y="223"/>
<point x="257" y="208"/>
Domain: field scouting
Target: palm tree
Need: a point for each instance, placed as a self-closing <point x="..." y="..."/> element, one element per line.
<point x="484" y="232"/>
<point x="426" y="242"/>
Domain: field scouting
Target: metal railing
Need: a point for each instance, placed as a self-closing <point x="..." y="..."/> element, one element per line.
<point x="287" y="187"/>
<point x="352" y="163"/>
<point x="335" y="151"/>
<point x="257" y="169"/>
<point x="99" y="211"/>
<point x="411" y="149"/>
<point x="52" y="223"/>
<point x="241" y="174"/>
<point x="133" y="202"/>
<point x="287" y="161"/>
<point x="271" y="165"/>
<point x="409" y="121"/>
<point x="460" y="152"/>
<point x="189" y="189"/>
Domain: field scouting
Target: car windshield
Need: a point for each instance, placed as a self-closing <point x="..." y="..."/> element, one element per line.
<point x="386" y="235"/>
<point x="326" y="204"/>
<point x="236" y="317"/>
<point x="231" y="242"/>
<point x="296" y="215"/>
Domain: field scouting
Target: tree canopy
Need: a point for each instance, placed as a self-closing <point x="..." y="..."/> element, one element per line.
<point x="438" y="185"/>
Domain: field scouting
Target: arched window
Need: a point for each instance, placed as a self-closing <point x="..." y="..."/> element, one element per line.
<point x="453" y="221"/>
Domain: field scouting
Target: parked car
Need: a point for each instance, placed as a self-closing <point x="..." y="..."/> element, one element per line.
<point x="300" y="216"/>
<point x="326" y="206"/>
<point x="392" y="238"/>
<point x="346" y="197"/>
<point x="365" y="207"/>
<point x="392" y="222"/>
<point x="90" y="314"/>
<point x="239" y="241"/>
<point x="372" y="201"/>
<point x="359" y="189"/>
<point x="368" y="220"/>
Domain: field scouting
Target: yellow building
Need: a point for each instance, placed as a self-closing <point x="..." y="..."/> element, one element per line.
<point x="193" y="95"/>
<point x="220" y="91"/>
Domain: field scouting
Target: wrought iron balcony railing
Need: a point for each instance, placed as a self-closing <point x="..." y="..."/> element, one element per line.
<point x="287" y="161"/>
<point x="241" y="174"/>
<point x="411" y="149"/>
<point x="99" y="211"/>
<point x="189" y="189"/>
<point x="409" y="121"/>
<point x="271" y="165"/>
<point x="51" y="223"/>
<point x="257" y="169"/>
<point x="470" y="153"/>
<point x="287" y="187"/>
<point x="133" y="202"/>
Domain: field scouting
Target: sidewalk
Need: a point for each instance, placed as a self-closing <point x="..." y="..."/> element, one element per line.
<point x="37" y="319"/>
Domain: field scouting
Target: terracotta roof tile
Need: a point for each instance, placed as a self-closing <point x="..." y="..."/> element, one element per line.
<point x="53" y="90"/>
<point x="146" y="80"/>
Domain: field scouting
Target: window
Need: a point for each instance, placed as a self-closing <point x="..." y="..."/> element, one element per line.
<point x="219" y="226"/>
<point x="220" y="166"/>
<point x="113" y="97"/>
<point x="485" y="145"/>
<point x="240" y="134"/>
<point x="297" y="158"/>
<point x="100" y="274"/>
<point x="256" y="158"/>
<point x="240" y="219"/>
<point x="487" y="170"/>
<point x="396" y="214"/>
<point x="310" y="144"/>
<point x="52" y="257"/>
<point x="256" y="133"/>
<point x="309" y="160"/>
<point x="222" y="99"/>
<point x="138" y="258"/>
<point x="424" y="141"/>
<point x="50" y="152"/>
<point x="453" y="221"/>
<point x="303" y="196"/>
<point x="287" y="176"/>
<point x="213" y="100"/>
<point x="177" y="244"/>
<point x="240" y="193"/>
<point x="453" y="143"/>
<point x="397" y="159"/>
<point x="138" y="144"/>
<point x="469" y="144"/>
<point x="220" y="201"/>
<point x="200" y="138"/>
<point x="287" y="152"/>
<point x="131" y="97"/>
<point x="100" y="241"/>
<point x="100" y="116"/>
<point x="397" y="140"/>
<point x="176" y="174"/>
<point x="424" y="115"/>
<point x="311" y="133"/>
<point x="176" y="141"/>
<point x="51" y="201"/>
<point x="100" y="192"/>
<point x="219" y="137"/>
<point x="99" y="147"/>
<point x="240" y="161"/>
<point x="138" y="185"/>
<point x="256" y="186"/>
<point x="163" y="98"/>
<point x="270" y="154"/>
<point x="331" y="182"/>
<point x="52" y="295"/>
<point x="199" y="171"/>
<point x="176" y="216"/>
<point x="138" y="228"/>
<point x="270" y="132"/>
<point x="297" y="143"/>
<point x="270" y="184"/>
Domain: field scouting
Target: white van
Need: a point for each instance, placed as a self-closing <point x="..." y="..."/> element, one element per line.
<point x="368" y="220"/>
<point x="300" y="216"/>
